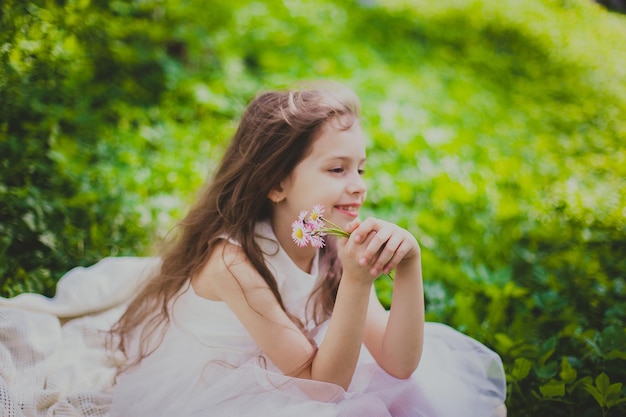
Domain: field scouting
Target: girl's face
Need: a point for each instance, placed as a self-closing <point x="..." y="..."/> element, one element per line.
<point x="330" y="175"/>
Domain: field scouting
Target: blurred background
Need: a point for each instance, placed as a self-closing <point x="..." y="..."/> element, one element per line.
<point x="497" y="136"/>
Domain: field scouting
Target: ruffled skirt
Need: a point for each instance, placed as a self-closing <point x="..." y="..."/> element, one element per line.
<point x="457" y="376"/>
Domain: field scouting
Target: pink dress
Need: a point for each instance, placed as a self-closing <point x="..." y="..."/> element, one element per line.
<point x="208" y="365"/>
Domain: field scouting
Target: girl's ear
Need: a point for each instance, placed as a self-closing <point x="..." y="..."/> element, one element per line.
<point x="276" y="194"/>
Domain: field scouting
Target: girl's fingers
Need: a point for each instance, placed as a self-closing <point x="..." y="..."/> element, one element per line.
<point x="373" y="246"/>
<point x="389" y="256"/>
<point x="382" y="250"/>
<point x="379" y="245"/>
<point x="351" y="227"/>
<point x="395" y="260"/>
<point x="356" y="231"/>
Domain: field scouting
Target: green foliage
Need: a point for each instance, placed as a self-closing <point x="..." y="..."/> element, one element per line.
<point x="85" y="134"/>
<point x="497" y="137"/>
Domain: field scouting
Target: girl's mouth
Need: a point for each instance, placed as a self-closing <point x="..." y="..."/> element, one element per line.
<point x="351" y="210"/>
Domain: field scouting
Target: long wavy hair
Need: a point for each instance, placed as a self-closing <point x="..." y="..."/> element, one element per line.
<point x="275" y="133"/>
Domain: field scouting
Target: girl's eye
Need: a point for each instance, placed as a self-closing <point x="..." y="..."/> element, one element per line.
<point x="361" y="171"/>
<point x="337" y="170"/>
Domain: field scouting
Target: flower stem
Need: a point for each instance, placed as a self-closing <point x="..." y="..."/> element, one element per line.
<point x="334" y="229"/>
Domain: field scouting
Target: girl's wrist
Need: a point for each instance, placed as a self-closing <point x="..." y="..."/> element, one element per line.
<point x="356" y="280"/>
<point x="409" y="268"/>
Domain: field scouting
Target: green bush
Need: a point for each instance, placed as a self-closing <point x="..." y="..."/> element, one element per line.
<point x="83" y="134"/>
<point x="497" y="137"/>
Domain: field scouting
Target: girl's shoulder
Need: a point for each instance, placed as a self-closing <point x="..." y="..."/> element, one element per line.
<point x="228" y="269"/>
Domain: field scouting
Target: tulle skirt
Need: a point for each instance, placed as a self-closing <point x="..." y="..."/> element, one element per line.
<point x="457" y="377"/>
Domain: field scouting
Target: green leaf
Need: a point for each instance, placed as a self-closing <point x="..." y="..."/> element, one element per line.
<point x="552" y="389"/>
<point x="603" y="383"/>
<point x="547" y="349"/>
<point x="587" y="380"/>
<point x="613" y="394"/>
<point x="548" y="370"/>
<point x="596" y="394"/>
<point x="616" y="354"/>
<point x="521" y="368"/>
<point x="605" y="393"/>
<point x="568" y="373"/>
<point x="504" y="342"/>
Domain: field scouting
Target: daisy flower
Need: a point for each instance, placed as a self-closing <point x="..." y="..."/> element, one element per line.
<point x="299" y="234"/>
<point x="316" y="215"/>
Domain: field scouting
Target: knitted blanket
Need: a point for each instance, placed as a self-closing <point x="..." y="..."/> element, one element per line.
<point x="53" y="360"/>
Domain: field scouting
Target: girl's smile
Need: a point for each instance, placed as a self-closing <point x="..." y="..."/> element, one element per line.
<point x="350" y="210"/>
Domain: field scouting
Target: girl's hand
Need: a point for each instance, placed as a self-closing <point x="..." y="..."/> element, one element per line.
<point x="376" y="247"/>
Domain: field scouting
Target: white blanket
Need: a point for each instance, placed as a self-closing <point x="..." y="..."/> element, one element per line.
<point x="53" y="360"/>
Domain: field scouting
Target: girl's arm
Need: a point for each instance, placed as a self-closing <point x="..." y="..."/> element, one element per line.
<point x="395" y="339"/>
<point x="229" y="277"/>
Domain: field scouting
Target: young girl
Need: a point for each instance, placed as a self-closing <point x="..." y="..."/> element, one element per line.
<point x="242" y="321"/>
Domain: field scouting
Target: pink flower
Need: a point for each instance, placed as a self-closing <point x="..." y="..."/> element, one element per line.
<point x="299" y="233"/>
<point x="310" y="229"/>
<point x="316" y="215"/>
<point x="316" y="240"/>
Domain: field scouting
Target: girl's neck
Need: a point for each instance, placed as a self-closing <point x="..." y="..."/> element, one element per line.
<point x="302" y="257"/>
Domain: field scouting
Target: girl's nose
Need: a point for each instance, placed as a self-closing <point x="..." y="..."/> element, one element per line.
<point x="357" y="185"/>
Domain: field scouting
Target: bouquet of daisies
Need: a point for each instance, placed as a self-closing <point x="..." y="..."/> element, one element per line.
<point x="310" y="228"/>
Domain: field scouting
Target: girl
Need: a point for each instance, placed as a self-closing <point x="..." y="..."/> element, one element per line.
<point x="239" y="320"/>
